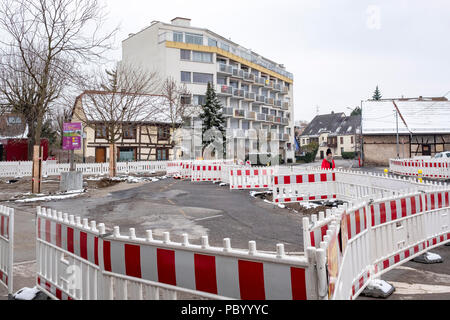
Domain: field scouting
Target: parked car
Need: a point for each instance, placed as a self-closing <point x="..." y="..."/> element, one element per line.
<point x="441" y="155"/>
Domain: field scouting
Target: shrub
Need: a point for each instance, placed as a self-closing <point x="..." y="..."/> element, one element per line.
<point x="348" y="155"/>
<point x="310" y="153"/>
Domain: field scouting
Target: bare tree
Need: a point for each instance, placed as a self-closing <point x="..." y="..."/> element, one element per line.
<point x="117" y="101"/>
<point x="48" y="42"/>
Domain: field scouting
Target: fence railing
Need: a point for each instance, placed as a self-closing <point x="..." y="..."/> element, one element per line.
<point x="23" y="168"/>
<point x="6" y="247"/>
<point x="127" y="267"/>
<point x="364" y="241"/>
<point x="431" y="168"/>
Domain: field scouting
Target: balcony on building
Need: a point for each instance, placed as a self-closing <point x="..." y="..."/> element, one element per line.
<point x="278" y="119"/>
<point x="285" y="105"/>
<point x="223" y="90"/>
<point x="270" y="101"/>
<point x="285" y="121"/>
<point x="278" y="103"/>
<point x="250" y="115"/>
<point x="227" y="112"/>
<point x="277" y="87"/>
<point x="224" y="69"/>
<point x="269" y="84"/>
<point x="260" y="81"/>
<point x="239" y="113"/>
<point x="249" y="96"/>
<point x="261" y="117"/>
<point x="260" y="100"/>
<point x="238" y="73"/>
<point x="270" y="118"/>
<point x="249" y="77"/>
<point x="238" y="93"/>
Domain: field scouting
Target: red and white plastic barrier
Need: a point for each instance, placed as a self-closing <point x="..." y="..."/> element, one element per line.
<point x="304" y="187"/>
<point x="103" y="265"/>
<point x="431" y="168"/>
<point x="6" y="247"/>
<point x="245" y="178"/>
<point x="376" y="237"/>
<point x="206" y="172"/>
<point x="219" y="271"/>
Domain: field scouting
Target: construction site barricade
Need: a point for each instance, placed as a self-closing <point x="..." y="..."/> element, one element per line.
<point x="76" y="259"/>
<point x="245" y="178"/>
<point x="6" y="247"/>
<point x="206" y="172"/>
<point x="304" y="187"/>
<point x="431" y="168"/>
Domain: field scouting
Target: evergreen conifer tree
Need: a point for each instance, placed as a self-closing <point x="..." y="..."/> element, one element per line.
<point x="377" y="95"/>
<point x="212" y="116"/>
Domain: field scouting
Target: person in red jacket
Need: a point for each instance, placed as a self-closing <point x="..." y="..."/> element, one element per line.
<point x="328" y="163"/>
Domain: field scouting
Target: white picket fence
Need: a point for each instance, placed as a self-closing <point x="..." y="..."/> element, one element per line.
<point x="6" y="247"/>
<point x="431" y="168"/>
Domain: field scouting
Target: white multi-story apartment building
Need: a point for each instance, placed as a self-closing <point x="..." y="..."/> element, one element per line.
<point x="255" y="92"/>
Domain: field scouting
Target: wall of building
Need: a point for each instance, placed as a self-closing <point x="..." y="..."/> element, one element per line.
<point x="379" y="149"/>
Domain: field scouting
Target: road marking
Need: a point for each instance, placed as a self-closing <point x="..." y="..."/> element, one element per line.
<point x="209" y="218"/>
<point x="402" y="288"/>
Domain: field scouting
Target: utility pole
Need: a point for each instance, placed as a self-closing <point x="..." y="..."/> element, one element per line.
<point x="396" y="119"/>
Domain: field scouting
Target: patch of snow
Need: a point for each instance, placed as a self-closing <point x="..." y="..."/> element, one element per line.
<point x="377" y="284"/>
<point x="308" y="205"/>
<point x="223" y="184"/>
<point x="433" y="256"/>
<point x="26" y="293"/>
<point x="255" y="193"/>
<point x="49" y="198"/>
<point x="282" y="206"/>
<point x="267" y="201"/>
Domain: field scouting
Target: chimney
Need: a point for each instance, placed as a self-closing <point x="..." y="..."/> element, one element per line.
<point x="182" y="22"/>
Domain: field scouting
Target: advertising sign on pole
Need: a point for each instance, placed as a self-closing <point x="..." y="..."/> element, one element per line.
<point x="72" y="133"/>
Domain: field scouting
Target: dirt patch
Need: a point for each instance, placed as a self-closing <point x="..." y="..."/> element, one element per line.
<point x="304" y="208"/>
<point x="104" y="183"/>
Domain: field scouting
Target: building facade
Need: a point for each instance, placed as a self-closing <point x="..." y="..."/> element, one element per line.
<point x="333" y="131"/>
<point x="423" y="128"/>
<point x="137" y="140"/>
<point x="255" y="92"/>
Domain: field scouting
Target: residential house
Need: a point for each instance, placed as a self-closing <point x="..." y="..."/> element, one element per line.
<point x="423" y="128"/>
<point x="145" y="137"/>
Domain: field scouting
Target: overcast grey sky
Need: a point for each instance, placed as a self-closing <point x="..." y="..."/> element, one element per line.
<point x="338" y="50"/>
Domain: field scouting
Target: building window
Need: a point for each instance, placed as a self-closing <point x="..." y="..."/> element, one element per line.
<point x="129" y="131"/>
<point x="212" y="42"/>
<point x="202" y="78"/>
<point x="186" y="77"/>
<point x="199" y="100"/>
<point x="100" y="131"/>
<point x="185" y="100"/>
<point x="185" y="54"/>
<point x="178" y="37"/>
<point x="342" y="140"/>
<point x="162" y="154"/>
<point x="222" y="80"/>
<point x="163" y="133"/>
<point x="352" y="141"/>
<point x="14" y="120"/>
<point x="194" y="38"/>
<point x="205" y="57"/>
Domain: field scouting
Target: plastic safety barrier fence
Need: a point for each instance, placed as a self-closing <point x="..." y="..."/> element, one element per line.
<point x="245" y="178"/>
<point x="304" y="187"/>
<point x="431" y="168"/>
<point x="202" y="172"/>
<point x="365" y="241"/>
<point x="23" y="169"/>
<point x="6" y="247"/>
<point x="77" y="260"/>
